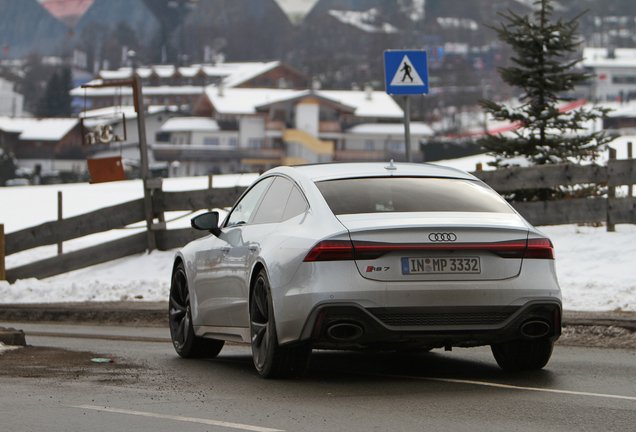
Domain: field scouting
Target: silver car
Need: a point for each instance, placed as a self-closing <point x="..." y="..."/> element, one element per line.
<point x="356" y="256"/>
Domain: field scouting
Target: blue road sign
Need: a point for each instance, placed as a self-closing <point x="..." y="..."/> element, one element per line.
<point x="406" y="72"/>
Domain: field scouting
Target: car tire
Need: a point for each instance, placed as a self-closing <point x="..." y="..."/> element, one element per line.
<point x="270" y="359"/>
<point x="522" y="355"/>
<point x="184" y="341"/>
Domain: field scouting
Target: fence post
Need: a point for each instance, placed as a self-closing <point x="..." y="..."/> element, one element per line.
<point x="59" y="218"/>
<point x="611" y="193"/>
<point x="210" y="184"/>
<point x="630" y="188"/>
<point x="3" y="270"/>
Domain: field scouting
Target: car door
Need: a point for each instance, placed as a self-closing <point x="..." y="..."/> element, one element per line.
<point x="216" y="283"/>
<point x="242" y="255"/>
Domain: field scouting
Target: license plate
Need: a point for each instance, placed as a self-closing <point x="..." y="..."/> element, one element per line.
<point x="441" y="265"/>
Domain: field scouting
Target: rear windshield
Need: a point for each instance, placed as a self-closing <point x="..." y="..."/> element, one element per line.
<point x="410" y="194"/>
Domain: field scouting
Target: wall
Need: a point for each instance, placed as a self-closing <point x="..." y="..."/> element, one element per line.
<point x="307" y="116"/>
<point x="251" y="128"/>
<point x="11" y="103"/>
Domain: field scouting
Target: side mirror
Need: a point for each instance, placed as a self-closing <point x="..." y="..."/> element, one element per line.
<point x="207" y="222"/>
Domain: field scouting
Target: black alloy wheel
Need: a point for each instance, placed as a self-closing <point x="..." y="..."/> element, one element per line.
<point x="184" y="341"/>
<point x="270" y="359"/>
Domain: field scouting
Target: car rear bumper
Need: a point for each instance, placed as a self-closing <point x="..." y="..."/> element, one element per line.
<point x="350" y="326"/>
<point x="484" y="311"/>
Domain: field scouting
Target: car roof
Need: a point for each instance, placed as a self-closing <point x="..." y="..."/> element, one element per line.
<point x="334" y="171"/>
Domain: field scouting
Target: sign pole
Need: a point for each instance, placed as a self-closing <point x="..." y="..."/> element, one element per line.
<point x="407" y="128"/>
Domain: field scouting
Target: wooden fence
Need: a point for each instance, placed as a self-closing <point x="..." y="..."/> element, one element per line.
<point x="610" y="210"/>
<point x="106" y="219"/>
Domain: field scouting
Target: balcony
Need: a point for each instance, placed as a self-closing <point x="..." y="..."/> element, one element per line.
<point x="329" y="127"/>
<point x="166" y="152"/>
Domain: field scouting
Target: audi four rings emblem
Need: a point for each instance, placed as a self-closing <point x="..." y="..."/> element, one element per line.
<point x="442" y="237"/>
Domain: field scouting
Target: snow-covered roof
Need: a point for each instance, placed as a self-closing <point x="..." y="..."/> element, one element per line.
<point x="232" y="73"/>
<point x="38" y="129"/>
<point x="245" y="73"/>
<point x="248" y="100"/>
<point x="416" y="128"/>
<point x="127" y="110"/>
<point x="190" y="124"/>
<point x="380" y="104"/>
<point x="147" y="91"/>
<point x="600" y="57"/>
<point x="367" y="21"/>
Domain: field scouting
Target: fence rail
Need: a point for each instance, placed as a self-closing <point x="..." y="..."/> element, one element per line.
<point x="610" y="210"/>
<point x="106" y="219"/>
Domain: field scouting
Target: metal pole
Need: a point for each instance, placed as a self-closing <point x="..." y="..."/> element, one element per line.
<point x="59" y="217"/>
<point x="145" y="171"/>
<point x="3" y="269"/>
<point x="407" y="127"/>
<point x="630" y="188"/>
<point x="611" y="194"/>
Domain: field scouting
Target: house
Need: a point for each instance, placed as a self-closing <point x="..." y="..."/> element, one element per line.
<point x="615" y="73"/>
<point x="11" y="103"/>
<point x="252" y="129"/>
<point x="45" y="144"/>
<point x="171" y="85"/>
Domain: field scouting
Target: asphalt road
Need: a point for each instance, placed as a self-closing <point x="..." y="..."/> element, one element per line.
<point x="149" y="387"/>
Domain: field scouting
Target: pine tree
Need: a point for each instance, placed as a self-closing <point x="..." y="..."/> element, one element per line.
<point x="544" y="73"/>
<point x="56" y="101"/>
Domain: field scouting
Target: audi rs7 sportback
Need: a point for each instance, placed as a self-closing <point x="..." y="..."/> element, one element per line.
<point x="366" y="256"/>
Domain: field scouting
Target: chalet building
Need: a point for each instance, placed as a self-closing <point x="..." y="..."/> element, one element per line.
<point x="615" y="74"/>
<point x="252" y="129"/>
<point x="52" y="144"/>
<point x="181" y="86"/>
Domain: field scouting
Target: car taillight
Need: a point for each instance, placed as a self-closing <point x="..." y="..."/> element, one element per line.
<point x="331" y="250"/>
<point x="539" y="248"/>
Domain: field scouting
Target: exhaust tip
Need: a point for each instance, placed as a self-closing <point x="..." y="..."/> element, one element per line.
<point x="345" y="332"/>
<point x="535" y="329"/>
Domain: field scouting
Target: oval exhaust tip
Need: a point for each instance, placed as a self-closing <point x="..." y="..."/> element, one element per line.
<point x="535" y="329"/>
<point x="345" y="331"/>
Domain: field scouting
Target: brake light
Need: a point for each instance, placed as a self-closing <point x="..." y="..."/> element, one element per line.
<point x="331" y="250"/>
<point x="540" y="248"/>
<point x="372" y="250"/>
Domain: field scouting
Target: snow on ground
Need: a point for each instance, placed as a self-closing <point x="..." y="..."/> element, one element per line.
<point x="595" y="268"/>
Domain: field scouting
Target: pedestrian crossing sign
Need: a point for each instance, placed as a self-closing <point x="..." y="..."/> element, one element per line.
<point x="406" y="72"/>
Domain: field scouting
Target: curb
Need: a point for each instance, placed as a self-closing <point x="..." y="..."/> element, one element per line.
<point x="154" y="314"/>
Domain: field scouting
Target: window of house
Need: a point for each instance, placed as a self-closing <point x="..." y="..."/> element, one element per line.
<point x="624" y="79"/>
<point x="368" y="145"/>
<point x="232" y="142"/>
<point x="255" y="143"/>
<point x="398" y="146"/>
<point x="211" y="141"/>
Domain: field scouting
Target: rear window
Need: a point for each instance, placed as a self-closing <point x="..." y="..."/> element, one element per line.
<point x="410" y="194"/>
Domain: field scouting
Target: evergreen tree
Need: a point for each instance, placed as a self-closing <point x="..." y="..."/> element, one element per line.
<point x="544" y="73"/>
<point x="8" y="165"/>
<point x="56" y="101"/>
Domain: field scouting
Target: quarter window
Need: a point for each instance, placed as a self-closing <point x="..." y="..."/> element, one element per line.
<point x="244" y="209"/>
